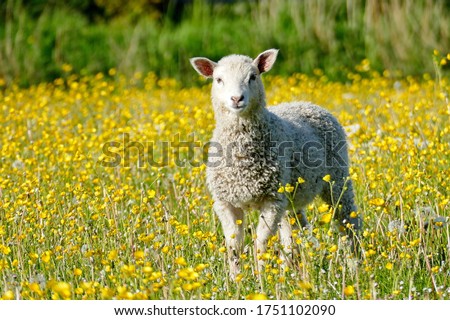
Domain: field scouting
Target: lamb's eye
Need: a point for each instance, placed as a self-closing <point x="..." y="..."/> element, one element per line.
<point x="219" y="80"/>
<point x="252" y="77"/>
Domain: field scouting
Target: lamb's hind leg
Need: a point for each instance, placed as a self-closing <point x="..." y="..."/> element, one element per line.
<point x="342" y="191"/>
<point x="233" y="232"/>
<point x="286" y="241"/>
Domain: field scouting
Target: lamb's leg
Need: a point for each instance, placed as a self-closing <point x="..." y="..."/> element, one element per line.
<point x="345" y="208"/>
<point x="271" y="216"/>
<point x="286" y="241"/>
<point x="234" y="232"/>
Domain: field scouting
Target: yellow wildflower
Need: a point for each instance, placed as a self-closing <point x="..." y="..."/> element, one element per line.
<point x="326" y="218"/>
<point x="181" y="261"/>
<point x="256" y="296"/>
<point x="377" y="202"/>
<point x="62" y="289"/>
<point x="333" y="248"/>
<point x="349" y="291"/>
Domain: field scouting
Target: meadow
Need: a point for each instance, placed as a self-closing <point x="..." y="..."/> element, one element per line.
<point x="102" y="192"/>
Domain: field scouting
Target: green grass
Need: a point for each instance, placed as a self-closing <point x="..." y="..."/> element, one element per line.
<point x="328" y="35"/>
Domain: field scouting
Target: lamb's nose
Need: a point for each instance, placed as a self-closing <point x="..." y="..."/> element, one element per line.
<point x="237" y="99"/>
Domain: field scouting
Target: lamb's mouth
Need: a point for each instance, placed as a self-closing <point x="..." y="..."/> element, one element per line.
<point x="238" y="107"/>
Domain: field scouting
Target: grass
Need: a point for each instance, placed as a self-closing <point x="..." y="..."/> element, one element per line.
<point x="327" y="35"/>
<point x="72" y="227"/>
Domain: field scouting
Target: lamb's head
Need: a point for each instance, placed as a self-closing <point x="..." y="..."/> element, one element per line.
<point x="237" y="85"/>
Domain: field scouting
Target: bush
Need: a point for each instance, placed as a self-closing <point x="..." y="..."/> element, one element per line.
<point x="332" y="36"/>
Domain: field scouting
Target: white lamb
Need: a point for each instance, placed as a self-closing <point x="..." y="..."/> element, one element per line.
<point x="254" y="150"/>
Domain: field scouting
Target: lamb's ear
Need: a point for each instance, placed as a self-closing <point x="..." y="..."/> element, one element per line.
<point x="265" y="60"/>
<point x="203" y="66"/>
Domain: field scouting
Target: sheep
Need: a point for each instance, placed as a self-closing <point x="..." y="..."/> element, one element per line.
<point x="254" y="150"/>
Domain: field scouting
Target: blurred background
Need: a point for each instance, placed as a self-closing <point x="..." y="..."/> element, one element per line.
<point x="41" y="40"/>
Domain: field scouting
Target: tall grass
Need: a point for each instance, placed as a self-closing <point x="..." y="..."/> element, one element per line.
<point x="330" y="35"/>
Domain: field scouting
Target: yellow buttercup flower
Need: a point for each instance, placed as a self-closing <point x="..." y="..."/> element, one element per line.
<point x="333" y="248"/>
<point x="256" y="296"/>
<point x="324" y="207"/>
<point x="289" y="188"/>
<point x="181" y="261"/>
<point x="377" y="202"/>
<point x="349" y="291"/>
<point x="77" y="272"/>
<point x="305" y="285"/>
<point x="326" y="218"/>
<point x="63" y="290"/>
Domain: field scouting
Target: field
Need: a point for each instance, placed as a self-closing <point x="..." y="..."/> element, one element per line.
<point x="102" y="192"/>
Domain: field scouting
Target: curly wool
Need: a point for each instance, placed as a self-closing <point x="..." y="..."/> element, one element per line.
<point x="254" y="162"/>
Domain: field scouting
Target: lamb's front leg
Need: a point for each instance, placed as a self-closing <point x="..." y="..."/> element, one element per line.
<point x="269" y="220"/>
<point x="233" y="232"/>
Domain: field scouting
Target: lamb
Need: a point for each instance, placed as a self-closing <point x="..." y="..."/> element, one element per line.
<point x="255" y="149"/>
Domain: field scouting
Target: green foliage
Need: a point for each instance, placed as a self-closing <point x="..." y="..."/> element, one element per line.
<point x="39" y="36"/>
